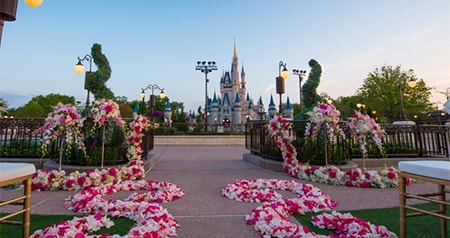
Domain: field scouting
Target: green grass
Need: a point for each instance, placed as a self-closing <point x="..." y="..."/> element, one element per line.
<point x="420" y="226"/>
<point x="121" y="225"/>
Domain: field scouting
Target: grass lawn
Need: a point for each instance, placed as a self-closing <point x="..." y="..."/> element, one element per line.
<point x="422" y="226"/>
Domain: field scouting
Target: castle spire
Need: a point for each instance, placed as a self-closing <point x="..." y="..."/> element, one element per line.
<point x="235" y="52"/>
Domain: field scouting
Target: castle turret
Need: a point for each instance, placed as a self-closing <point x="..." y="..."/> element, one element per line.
<point x="288" y="110"/>
<point x="167" y="115"/>
<point x="272" y="108"/>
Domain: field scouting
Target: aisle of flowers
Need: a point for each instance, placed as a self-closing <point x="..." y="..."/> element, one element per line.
<point x="152" y="220"/>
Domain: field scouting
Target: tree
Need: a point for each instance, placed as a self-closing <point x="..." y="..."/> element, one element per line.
<point x="310" y="97"/>
<point x="40" y="106"/>
<point x="96" y="82"/>
<point x="381" y="92"/>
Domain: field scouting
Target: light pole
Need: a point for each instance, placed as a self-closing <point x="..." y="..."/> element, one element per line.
<point x="300" y="74"/>
<point x="361" y="107"/>
<point x="79" y="68"/>
<point x="206" y="67"/>
<point x="282" y="75"/>
<point x="411" y="83"/>
<point x="152" y="101"/>
<point x="8" y="10"/>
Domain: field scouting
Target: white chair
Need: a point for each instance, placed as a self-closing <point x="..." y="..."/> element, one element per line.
<point x="11" y="173"/>
<point x="437" y="172"/>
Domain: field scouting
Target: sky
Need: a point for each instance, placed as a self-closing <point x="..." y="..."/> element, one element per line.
<point x="159" y="42"/>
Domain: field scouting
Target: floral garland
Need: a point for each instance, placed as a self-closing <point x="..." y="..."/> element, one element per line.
<point x="386" y="177"/>
<point x="365" y="129"/>
<point x="58" y="180"/>
<point x="271" y="219"/>
<point x="134" y="136"/>
<point x="62" y="121"/>
<point x="151" y="219"/>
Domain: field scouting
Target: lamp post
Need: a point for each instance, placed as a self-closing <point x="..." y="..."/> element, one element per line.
<point x="361" y="107"/>
<point x="79" y="68"/>
<point x="206" y="67"/>
<point x="300" y="74"/>
<point x="282" y="75"/>
<point x="152" y="101"/>
<point x="8" y="10"/>
<point x="402" y="118"/>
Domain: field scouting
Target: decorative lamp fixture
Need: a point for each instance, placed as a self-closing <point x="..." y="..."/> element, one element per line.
<point x="79" y="67"/>
<point x="282" y="75"/>
<point x="403" y="120"/>
<point x="34" y="3"/>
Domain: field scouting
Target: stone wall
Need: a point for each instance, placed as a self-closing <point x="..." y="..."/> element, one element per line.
<point x="200" y="140"/>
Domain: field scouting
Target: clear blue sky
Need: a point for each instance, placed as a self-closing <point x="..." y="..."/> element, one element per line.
<point x="159" y="42"/>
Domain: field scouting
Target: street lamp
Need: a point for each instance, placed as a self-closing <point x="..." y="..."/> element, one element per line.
<point x="282" y="75"/>
<point x="79" y="68"/>
<point x="361" y="107"/>
<point x="8" y="10"/>
<point x="411" y="83"/>
<point x="206" y="67"/>
<point x="300" y="74"/>
<point x="152" y="101"/>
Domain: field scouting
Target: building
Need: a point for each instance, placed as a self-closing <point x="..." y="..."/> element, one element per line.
<point x="233" y="106"/>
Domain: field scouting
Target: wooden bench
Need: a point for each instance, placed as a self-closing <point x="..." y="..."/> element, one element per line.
<point x="11" y="173"/>
<point x="436" y="172"/>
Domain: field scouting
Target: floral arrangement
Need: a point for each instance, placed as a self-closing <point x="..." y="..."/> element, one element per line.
<point x="364" y="129"/>
<point x="323" y="117"/>
<point x="104" y="110"/>
<point x="134" y="136"/>
<point x="64" y="122"/>
<point x="271" y="219"/>
<point x="386" y="177"/>
<point x="151" y="219"/>
<point x="58" y="180"/>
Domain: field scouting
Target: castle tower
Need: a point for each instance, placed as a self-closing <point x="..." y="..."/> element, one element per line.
<point x="288" y="110"/>
<point x="167" y="115"/>
<point x="272" y="108"/>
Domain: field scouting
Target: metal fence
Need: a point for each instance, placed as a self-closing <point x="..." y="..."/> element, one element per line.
<point x="400" y="140"/>
<point x="18" y="139"/>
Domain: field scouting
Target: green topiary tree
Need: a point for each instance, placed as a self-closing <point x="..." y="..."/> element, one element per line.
<point x="309" y="89"/>
<point x="96" y="82"/>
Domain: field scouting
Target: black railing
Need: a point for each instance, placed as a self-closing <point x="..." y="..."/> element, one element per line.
<point x="400" y="141"/>
<point x="19" y="140"/>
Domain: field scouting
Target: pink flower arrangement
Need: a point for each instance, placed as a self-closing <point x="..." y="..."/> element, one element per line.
<point x="151" y="219"/>
<point x="104" y="110"/>
<point x="386" y="177"/>
<point x="364" y="129"/>
<point x="58" y="180"/>
<point x="134" y="136"/>
<point x="64" y="122"/>
<point x="323" y="117"/>
<point x="272" y="218"/>
<point x="349" y="226"/>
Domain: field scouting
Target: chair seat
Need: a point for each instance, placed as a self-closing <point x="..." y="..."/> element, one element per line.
<point x="10" y="171"/>
<point x="429" y="168"/>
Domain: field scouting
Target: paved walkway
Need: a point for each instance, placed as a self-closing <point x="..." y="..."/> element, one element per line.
<point x="202" y="172"/>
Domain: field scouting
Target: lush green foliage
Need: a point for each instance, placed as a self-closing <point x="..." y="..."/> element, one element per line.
<point x="381" y="92"/>
<point x="40" y="106"/>
<point x="310" y="98"/>
<point x="96" y="82"/>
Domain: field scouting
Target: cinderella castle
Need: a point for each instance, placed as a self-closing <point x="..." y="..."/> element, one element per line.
<point x="234" y="106"/>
